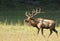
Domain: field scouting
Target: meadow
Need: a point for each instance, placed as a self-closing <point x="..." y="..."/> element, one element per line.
<point x="12" y="27"/>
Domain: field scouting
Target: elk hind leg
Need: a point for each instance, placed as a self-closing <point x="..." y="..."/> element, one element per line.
<point x="55" y="31"/>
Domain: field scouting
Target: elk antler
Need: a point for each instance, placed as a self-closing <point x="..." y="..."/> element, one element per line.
<point x="35" y="12"/>
<point x="27" y="14"/>
<point x="38" y="10"/>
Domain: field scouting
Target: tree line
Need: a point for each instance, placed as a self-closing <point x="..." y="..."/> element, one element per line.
<point x="14" y="3"/>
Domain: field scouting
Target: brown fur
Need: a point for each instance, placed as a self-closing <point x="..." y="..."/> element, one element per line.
<point x="41" y="23"/>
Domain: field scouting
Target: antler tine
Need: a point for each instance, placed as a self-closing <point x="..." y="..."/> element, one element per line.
<point x="29" y="14"/>
<point x="38" y="10"/>
<point x="26" y="13"/>
<point x="33" y="12"/>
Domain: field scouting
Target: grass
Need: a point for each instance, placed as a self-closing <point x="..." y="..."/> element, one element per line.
<point x="25" y="33"/>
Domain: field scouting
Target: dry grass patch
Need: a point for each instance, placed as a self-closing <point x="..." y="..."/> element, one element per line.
<point x="24" y="33"/>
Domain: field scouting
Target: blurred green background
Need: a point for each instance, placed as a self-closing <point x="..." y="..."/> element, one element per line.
<point x="14" y="10"/>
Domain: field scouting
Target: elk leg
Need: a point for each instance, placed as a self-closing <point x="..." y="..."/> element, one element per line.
<point x="38" y="30"/>
<point x="50" y="32"/>
<point x="42" y="31"/>
<point x="55" y="31"/>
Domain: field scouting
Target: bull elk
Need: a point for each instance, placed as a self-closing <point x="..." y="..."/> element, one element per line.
<point x="40" y="23"/>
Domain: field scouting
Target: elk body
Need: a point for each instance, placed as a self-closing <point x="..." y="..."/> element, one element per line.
<point x="40" y="23"/>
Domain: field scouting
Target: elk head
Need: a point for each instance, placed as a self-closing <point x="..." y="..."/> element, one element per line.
<point x="30" y="15"/>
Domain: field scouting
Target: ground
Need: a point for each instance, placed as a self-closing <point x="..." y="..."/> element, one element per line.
<point x="25" y="33"/>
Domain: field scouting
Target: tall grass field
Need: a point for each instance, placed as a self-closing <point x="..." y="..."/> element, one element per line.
<point x="12" y="27"/>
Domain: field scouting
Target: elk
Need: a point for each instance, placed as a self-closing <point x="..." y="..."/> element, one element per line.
<point x="40" y="23"/>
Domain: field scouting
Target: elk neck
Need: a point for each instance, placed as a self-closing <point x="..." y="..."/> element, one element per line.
<point x="33" y="22"/>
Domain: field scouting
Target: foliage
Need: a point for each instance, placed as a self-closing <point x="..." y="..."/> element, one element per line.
<point x="42" y="3"/>
<point x="14" y="15"/>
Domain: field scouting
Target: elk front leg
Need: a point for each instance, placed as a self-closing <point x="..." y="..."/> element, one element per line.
<point x="38" y="30"/>
<point x="38" y="27"/>
<point x="42" y="32"/>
